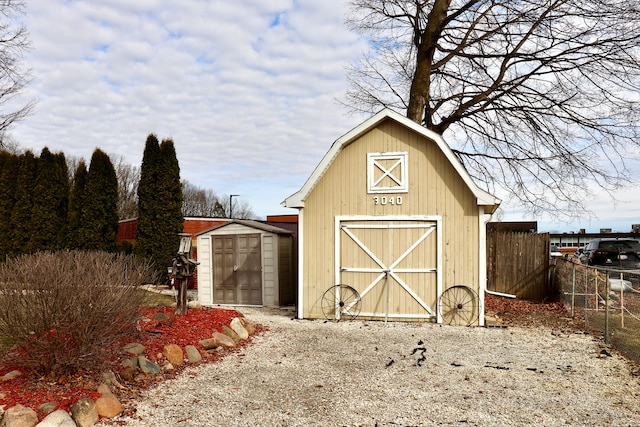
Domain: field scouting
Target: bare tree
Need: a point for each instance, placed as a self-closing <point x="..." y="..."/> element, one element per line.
<point x="241" y="208"/>
<point x="206" y="203"/>
<point x="538" y="98"/>
<point x="199" y="201"/>
<point x="13" y="44"/>
<point x="128" y="178"/>
<point x="11" y="145"/>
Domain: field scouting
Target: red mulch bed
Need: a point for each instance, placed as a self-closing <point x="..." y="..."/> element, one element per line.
<point x="197" y="324"/>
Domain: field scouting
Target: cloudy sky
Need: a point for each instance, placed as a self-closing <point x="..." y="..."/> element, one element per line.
<point x="246" y="89"/>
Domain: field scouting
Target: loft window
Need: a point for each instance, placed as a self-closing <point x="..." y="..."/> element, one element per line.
<point x="387" y="173"/>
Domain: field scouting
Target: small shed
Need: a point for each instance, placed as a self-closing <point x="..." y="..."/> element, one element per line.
<point x="244" y="262"/>
<point x="391" y="212"/>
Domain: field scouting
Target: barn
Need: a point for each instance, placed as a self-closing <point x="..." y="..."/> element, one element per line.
<point x="391" y="226"/>
<point x="245" y="262"/>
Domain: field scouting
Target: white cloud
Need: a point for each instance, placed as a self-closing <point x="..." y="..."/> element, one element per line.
<point x="246" y="89"/>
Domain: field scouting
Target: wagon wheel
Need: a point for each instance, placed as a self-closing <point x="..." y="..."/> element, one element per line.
<point x="341" y="302"/>
<point x="459" y="305"/>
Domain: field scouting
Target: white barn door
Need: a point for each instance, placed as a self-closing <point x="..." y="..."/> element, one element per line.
<point x="393" y="262"/>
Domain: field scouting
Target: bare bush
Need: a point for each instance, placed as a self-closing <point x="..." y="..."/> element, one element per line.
<point x="64" y="310"/>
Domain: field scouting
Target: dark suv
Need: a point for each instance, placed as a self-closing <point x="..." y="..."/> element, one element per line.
<point x="612" y="252"/>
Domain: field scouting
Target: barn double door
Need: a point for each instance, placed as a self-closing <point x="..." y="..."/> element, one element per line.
<point x="237" y="269"/>
<point x="393" y="263"/>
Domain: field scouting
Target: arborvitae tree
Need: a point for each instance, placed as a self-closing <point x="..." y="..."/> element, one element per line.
<point x="170" y="192"/>
<point x="48" y="223"/>
<point x="76" y="202"/>
<point x="21" y="215"/>
<point x="159" y="203"/>
<point x="8" y="174"/>
<point x="98" y="226"/>
<point x="148" y="202"/>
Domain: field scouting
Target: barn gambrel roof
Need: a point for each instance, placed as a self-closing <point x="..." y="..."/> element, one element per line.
<point x="483" y="198"/>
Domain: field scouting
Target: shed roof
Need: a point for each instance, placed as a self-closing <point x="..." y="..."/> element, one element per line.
<point x="249" y="223"/>
<point x="297" y="199"/>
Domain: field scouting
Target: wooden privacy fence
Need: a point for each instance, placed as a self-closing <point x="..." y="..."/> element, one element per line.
<point x="518" y="264"/>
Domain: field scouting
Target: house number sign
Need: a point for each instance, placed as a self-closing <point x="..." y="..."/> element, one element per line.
<point x="387" y="200"/>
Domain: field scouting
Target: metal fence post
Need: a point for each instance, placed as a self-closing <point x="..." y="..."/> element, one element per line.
<point x="573" y="291"/>
<point x="606" y="312"/>
<point x="622" y="300"/>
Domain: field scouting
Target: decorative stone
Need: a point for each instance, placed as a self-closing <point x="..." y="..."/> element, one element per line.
<point x="108" y="405"/>
<point x="84" y="412"/>
<point x="167" y="366"/>
<point x="19" y="416"/>
<point x="130" y="362"/>
<point x="230" y="333"/>
<point x="10" y="375"/>
<point x="248" y="325"/>
<point x="194" y="304"/>
<point x="160" y="316"/>
<point x="60" y="418"/>
<point x="110" y="379"/>
<point x="47" y="407"/>
<point x="134" y="348"/>
<point x="217" y="340"/>
<point x="128" y="372"/>
<point x="174" y="354"/>
<point x="148" y="366"/>
<point x="193" y="355"/>
<point x="208" y="343"/>
<point x="104" y="389"/>
<point x="237" y="326"/>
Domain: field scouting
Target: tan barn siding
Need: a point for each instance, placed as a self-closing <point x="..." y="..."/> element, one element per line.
<point x="435" y="188"/>
<point x="439" y="190"/>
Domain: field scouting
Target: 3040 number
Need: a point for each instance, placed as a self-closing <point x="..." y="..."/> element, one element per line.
<point x="384" y="200"/>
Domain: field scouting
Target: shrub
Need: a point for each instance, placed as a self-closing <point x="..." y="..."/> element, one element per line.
<point x="64" y="310"/>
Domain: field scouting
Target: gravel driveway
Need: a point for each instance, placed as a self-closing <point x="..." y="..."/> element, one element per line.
<point x="312" y="373"/>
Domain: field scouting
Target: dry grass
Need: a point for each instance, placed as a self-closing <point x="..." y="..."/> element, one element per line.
<point x="625" y="339"/>
<point x="154" y="299"/>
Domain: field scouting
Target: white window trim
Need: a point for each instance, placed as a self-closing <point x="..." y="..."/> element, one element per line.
<point x="373" y="165"/>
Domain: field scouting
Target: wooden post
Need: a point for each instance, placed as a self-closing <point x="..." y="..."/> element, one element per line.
<point x="181" y="300"/>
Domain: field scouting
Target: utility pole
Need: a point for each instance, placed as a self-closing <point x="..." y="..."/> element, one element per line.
<point x="231" y="196"/>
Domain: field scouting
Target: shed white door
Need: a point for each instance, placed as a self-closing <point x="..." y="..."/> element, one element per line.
<point x="393" y="262"/>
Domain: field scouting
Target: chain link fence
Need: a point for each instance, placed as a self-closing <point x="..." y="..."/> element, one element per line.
<point x="608" y="300"/>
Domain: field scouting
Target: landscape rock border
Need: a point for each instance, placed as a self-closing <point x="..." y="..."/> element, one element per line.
<point x="87" y="412"/>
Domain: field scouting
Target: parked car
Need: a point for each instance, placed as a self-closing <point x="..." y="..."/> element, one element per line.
<point x="612" y="252"/>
